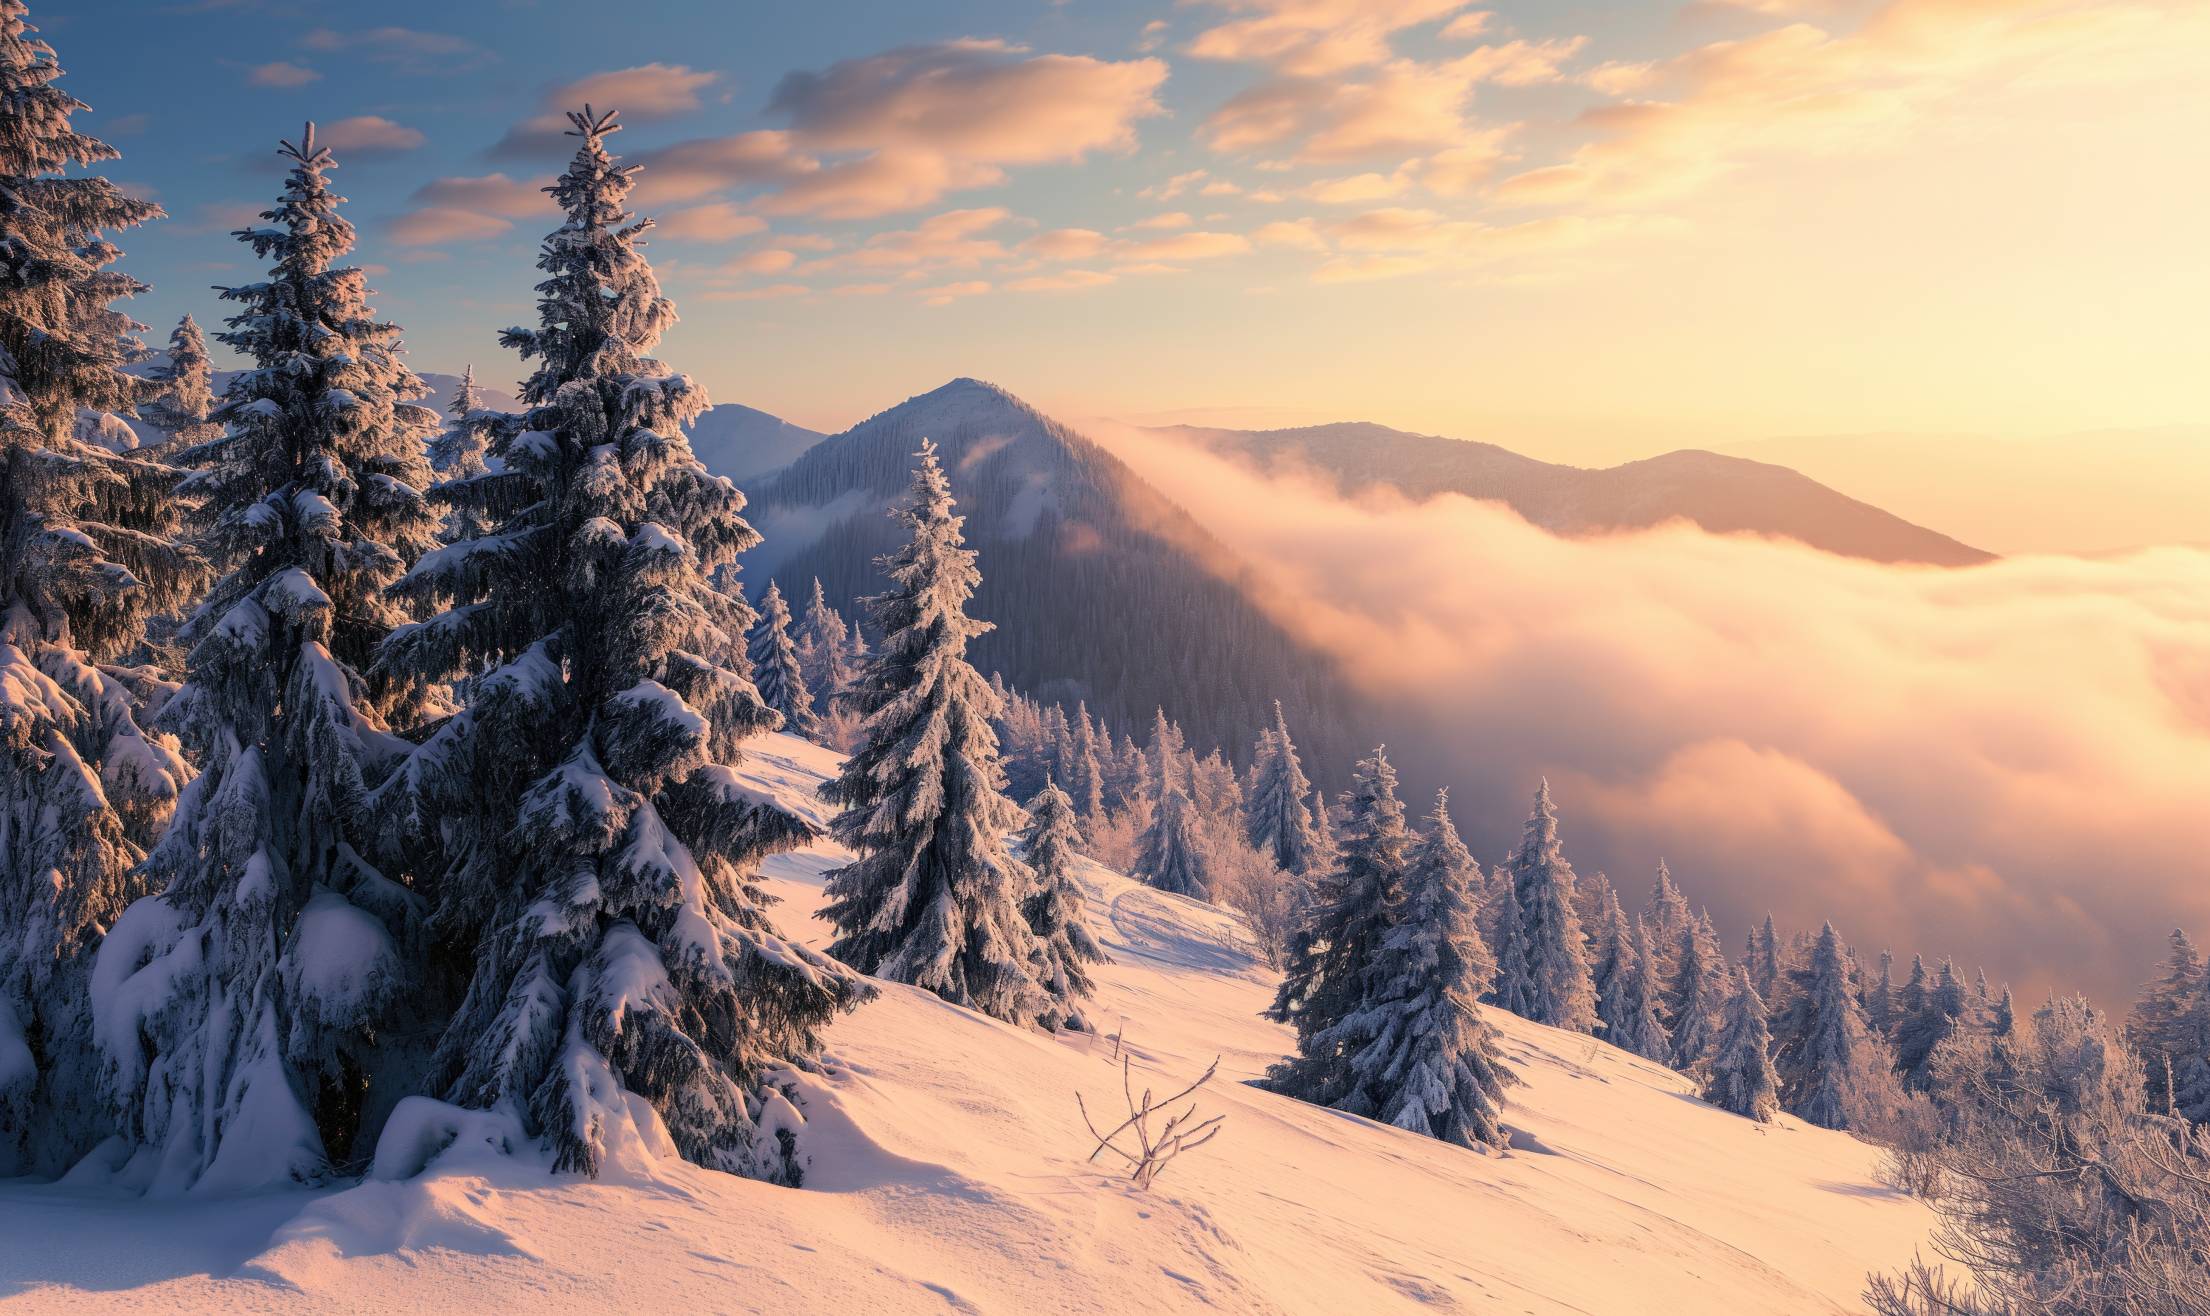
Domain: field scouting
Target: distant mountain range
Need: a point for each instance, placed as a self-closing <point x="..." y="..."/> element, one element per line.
<point x="1722" y="494"/>
<point x="2104" y="491"/>
<point x="1101" y="588"/>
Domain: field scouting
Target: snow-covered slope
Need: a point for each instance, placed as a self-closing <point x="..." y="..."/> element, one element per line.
<point x="949" y="1175"/>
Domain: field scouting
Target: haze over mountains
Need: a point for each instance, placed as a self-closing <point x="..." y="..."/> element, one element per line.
<point x="1098" y="582"/>
<point x="1102" y="589"/>
<point x="2105" y="491"/>
<point x="1722" y="494"/>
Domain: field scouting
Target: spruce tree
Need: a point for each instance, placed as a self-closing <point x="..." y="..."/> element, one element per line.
<point x="88" y="553"/>
<point x="187" y="383"/>
<point x="1670" y="925"/>
<point x="1742" y="1078"/>
<point x="1054" y="909"/>
<point x="1547" y="979"/>
<point x="1761" y="956"/>
<point x="1165" y="753"/>
<point x="2190" y="1065"/>
<point x="1629" y="1014"/>
<point x="1941" y="1008"/>
<point x="1611" y="949"/>
<point x="459" y="450"/>
<point x="934" y="899"/>
<point x="1420" y="1053"/>
<point x="598" y="852"/>
<point x="1173" y="856"/>
<point x="2155" y="1028"/>
<point x="279" y="943"/>
<point x="824" y="643"/>
<point x="1910" y="1002"/>
<point x="1699" y="996"/>
<point x="1332" y="955"/>
<point x="1276" y="818"/>
<point x="1833" y="1072"/>
<point x="1879" y="998"/>
<point x="775" y="669"/>
<point x="1086" y="774"/>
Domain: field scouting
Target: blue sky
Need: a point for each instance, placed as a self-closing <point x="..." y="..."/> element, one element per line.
<point x="1591" y="230"/>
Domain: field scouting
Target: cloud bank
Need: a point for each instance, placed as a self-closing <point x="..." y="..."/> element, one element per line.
<point x="2008" y="764"/>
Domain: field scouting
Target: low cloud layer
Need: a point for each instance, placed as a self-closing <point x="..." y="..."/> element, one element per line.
<point x="2009" y="764"/>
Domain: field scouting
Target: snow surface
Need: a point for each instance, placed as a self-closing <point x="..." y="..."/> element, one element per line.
<point x="948" y="1174"/>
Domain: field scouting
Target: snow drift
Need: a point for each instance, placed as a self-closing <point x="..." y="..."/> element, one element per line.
<point x="946" y="1171"/>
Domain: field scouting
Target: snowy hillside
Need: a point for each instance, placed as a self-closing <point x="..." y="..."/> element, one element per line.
<point x="947" y="1174"/>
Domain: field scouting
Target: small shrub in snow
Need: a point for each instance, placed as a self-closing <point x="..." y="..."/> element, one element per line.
<point x="1150" y="1149"/>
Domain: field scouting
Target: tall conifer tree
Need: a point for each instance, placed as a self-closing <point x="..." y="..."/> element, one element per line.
<point x="1833" y="1072"/>
<point x="775" y="667"/>
<point x="599" y="853"/>
<point x="1742" y="1078"/>
<point x="187" y="383"/>
<point x="1332" y="956"/>
<point x="1421" y="1054"/>
<point x="1064" y="946"/>
<point x="279" y="943"/>
<point x="934" y="898"/>
<point x="1276" y="818"/>
<point x="1546" y="977"/>
<point x="88" y="552"/>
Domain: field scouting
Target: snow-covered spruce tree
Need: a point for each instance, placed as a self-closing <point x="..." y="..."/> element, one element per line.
<point x="1761" y="956"/>
<point x="1910" y="1001"/>
<point x="1332" y="956"/>
<point x="1833" y="1072"/>
<point x="241" y="1010"/>
<point x="1547" y="978"/>
<point x="88" y="554"/>
<point x="461" y="451"/>
<point x="187" y="388"/>
<point x="1741" y="1068"/>
<point x="934" y="898"/>
<point x="824" y="643"/>
<point x="1173" y="856"/>
<point x="597" y="851"/>
<point x="1698" y="998"/>
<point x="1940" y="1008"/>
<point x="1054" y="909"/>
<point x="2189" y="1040"/>
<point x="2154" y="1028"/>
<point x="1670" y="924"/>
<point x="1611" y="950"/>
<point x="1086" y="774"/>
<point x="1879" y="998"/>
<point x="1629" y="1014"/>
<point x="1276" y="817"/>
<point x="1421" y="1055"/>
<point x="1166" y="753"/>
<point x="775" y="669"/>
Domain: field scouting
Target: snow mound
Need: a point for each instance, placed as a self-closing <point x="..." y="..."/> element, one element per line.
<point x="948" y="1172"/>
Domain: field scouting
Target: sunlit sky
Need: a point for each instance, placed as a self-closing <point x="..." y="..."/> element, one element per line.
<point x="1587" y="229"/>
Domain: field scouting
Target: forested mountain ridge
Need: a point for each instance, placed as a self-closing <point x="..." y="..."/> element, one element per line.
<point x="1719" y="493"/>
<point x="1101" y="587"/>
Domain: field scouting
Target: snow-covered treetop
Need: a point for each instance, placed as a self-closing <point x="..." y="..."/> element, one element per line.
<point x="87" y="557"/>
<point x="600" y="307"/>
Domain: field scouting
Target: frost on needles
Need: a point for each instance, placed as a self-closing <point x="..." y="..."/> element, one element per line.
<point x="88" y="552"/>
<point x="595" y="853"/>
<point x="934" y="898"/>
<point x="240" y="1011"/>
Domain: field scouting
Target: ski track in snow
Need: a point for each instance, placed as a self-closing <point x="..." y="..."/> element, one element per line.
<point x="949" y="1175"/>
